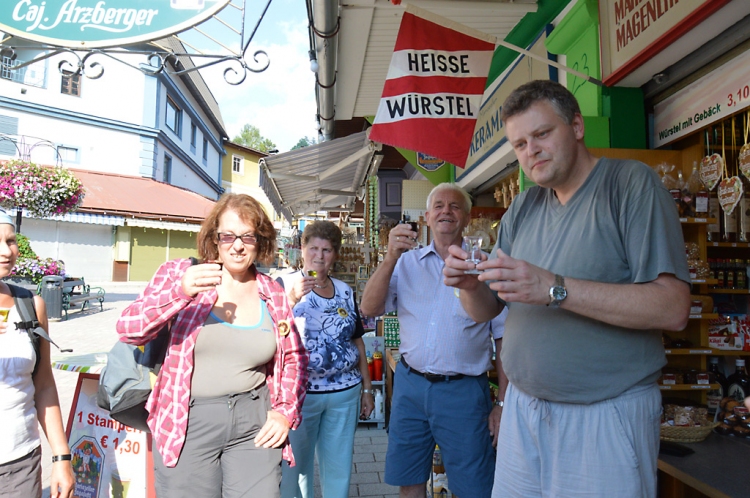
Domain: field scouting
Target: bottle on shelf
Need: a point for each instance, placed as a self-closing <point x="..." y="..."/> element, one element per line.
<point x="701" y="192"/>
<point x="729" y="231"/>
<point x="743" y="212"/>
<point x="729" y="273"/>
<point x="720" y="266"/>
<point x="675" y="188"/>
<point x="714" y="211"/>
<point x="740" y="276"/>
<point x="437" y="461"/>
<point x="714" y="396"/>
<point x="738" y="384"/>
<point x="379" y="411"/>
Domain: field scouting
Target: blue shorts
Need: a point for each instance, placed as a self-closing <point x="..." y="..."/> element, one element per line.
<point x="452" y="414"/>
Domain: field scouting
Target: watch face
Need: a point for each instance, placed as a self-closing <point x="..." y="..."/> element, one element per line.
<point x="558" y="293"/>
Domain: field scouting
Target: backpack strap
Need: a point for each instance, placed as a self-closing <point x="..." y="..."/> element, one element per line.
<point x="24" y="301"/>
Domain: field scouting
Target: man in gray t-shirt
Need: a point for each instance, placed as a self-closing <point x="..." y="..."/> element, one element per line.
<point x="591" y="264"/>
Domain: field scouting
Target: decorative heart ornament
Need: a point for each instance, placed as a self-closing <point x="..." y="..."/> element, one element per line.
<point x="745" y="160"/>
<point x="711" y="168"/>
<point x="730" y="193"/>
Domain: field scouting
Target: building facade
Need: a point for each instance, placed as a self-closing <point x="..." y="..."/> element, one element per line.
<point x="159" y="127"/>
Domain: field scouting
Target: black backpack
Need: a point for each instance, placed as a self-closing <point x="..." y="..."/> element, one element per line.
<point x="24" y="301"/>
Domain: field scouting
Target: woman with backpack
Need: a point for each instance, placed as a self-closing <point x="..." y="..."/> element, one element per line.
<point x="28" y="395"/>
<point x="233" y="380"/>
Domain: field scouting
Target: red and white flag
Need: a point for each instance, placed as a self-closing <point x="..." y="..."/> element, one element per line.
<point x="434" y="87"/>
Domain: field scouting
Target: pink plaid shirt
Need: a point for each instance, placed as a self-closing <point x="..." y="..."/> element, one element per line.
<point x="160" y="301"/>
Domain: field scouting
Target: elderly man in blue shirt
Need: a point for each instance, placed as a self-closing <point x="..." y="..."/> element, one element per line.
<point x="441" y="393"/>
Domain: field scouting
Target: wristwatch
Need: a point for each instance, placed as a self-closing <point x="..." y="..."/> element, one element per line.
<point x="558" y="292"/>
<point x="499" y="402"/>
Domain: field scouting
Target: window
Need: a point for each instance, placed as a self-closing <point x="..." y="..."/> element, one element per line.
<point x="67" y="154"/>
<point x="205" y="150"/>
<point x="8" y="126"/>
<point x="238" y="165"/>
<point x="167" y="173"/>
<point x="70" y="83"/>
<point x="193" y="136"/>
<point x="174" y="117"/>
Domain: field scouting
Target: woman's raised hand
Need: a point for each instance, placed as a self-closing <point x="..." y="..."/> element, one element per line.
<point x="301" y="288"/>
<point x="202" y="277"/>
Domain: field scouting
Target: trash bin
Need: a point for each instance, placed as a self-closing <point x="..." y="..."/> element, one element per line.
<point x="52" y="295"/>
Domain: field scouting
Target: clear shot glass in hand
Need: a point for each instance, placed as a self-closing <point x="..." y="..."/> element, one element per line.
<point x="473" y="247"/>
<point x="414" y="228"/>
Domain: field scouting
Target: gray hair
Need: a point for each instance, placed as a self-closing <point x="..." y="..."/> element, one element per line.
<point x="528" y="94"/>
<point x="453" y="187"/>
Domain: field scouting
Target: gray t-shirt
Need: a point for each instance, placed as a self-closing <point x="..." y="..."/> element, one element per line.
<point x="232" y="359"/>
<point x="621" y="226"/>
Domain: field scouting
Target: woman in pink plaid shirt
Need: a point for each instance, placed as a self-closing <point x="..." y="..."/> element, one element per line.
<point x="234" y="378"/>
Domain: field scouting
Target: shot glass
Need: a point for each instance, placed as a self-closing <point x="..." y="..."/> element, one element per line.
<point x="473" y="247"/>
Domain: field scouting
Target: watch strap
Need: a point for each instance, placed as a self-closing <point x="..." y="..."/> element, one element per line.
<point x="59" y="458"/>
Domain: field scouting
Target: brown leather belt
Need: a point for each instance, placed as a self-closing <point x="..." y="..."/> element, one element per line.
<point x="432" y="377"/>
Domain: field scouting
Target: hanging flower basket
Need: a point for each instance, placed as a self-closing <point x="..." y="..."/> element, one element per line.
<point x="42" y="191"/>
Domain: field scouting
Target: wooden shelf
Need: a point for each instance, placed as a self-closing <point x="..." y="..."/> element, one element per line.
<point x="704" y="316"/>
<point x="698" y="221"/>
<point x="688" y="387"/>
<point x="743" y="245"/>
<point x="688" y="351"/>
<point x="729" y="352"/>
<point x="729" y="291"/>
<point x="704" y="281"/>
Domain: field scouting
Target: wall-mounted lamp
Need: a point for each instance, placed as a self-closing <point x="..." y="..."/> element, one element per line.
<point x="660" y="78"/>
<point x="313" y="61"/>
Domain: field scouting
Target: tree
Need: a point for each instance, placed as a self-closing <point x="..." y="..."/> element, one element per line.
<point x="304" y="142"/>
<point x="250" y="137"/>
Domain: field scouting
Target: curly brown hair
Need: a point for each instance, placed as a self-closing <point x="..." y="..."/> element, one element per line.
<point x="325" y="230"/>
<point x="250" y="212"/>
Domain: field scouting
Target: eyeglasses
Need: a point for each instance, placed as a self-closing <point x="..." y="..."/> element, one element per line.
<point x="229" y="238"/>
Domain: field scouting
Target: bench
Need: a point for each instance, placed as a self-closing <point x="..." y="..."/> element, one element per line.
<point x="77" y="291"/>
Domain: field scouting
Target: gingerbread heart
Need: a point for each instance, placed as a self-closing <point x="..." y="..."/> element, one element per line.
<point x="730" y="193"/>
<point x="745" y="160"/>
<point x="711" y="168"/>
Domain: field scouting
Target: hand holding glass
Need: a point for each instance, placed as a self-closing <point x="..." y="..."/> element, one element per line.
<point x="472" y="245"/>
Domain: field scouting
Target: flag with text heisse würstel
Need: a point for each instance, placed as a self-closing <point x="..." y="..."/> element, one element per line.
<point x="434" y="87"/>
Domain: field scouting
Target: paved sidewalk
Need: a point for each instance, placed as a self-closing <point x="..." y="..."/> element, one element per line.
<point x="93" y="331"/>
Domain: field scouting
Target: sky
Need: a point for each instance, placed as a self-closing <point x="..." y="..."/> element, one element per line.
<point x="280" y="101"/>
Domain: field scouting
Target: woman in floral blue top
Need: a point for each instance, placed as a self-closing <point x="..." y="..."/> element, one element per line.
<point x="339" y="387"/>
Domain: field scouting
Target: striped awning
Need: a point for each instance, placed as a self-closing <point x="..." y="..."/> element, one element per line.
<point x="319" y="177"/>
<point x="163" y="225"/>
<point x="90" y="218"/>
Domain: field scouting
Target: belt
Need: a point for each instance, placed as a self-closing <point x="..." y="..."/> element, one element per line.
<point x="432" y="377"/>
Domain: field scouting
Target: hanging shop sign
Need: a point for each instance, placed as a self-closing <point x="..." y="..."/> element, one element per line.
<point x="713" y="97"/>
<point x="434" y="86"/>
<point x="102" y="23"/>
<point x="633" y="31"/>
<point x="489" y="133"/>
<point x="428" y="162"/>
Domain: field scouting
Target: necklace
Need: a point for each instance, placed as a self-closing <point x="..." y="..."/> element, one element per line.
<point x="324" y="285"/>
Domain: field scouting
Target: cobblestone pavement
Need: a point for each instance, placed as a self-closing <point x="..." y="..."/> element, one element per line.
<point x="93" y="331"/>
